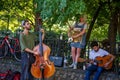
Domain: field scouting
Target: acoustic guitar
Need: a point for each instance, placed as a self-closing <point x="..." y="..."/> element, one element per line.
<point x="101" y="61"/>
<point x="73" y="32"/>
<point x="76" y="31"/>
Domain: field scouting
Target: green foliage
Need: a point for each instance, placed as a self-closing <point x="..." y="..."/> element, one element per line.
<point x="99" y="33"/>
<point x="52" y="35"/>
<point x="56" y="13"/>
<point x="100" y="28"/>
<point x="59" y="11"/>
<point x="12" y="12"/>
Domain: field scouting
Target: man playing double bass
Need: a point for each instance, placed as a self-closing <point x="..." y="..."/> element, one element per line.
<point x="27" y="43"/>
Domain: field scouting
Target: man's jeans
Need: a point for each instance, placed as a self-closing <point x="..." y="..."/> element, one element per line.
<point x="90" y="70"/>
<point x="26" y="65"/>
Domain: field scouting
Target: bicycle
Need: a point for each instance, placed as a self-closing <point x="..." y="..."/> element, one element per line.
<point x="12" y="46"/>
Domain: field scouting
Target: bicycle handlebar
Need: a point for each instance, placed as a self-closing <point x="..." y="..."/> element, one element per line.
<point x="6" y="33"/>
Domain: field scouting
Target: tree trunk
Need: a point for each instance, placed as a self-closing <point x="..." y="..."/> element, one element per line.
<point x="112" y="31"/>
<point x="38" y="21"/>
<point x="119" y="22"/>
<point x="92" y="23"/>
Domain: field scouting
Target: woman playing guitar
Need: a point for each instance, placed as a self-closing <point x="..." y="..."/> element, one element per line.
<point x="77" y="33"/>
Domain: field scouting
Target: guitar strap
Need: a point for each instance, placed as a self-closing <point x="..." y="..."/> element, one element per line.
<point x="79" y="26"/>
<point x="82" y="27"/>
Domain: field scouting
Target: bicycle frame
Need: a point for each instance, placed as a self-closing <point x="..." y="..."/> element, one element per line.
<point x="12" y="50"/>
<point x="8" y="43"/>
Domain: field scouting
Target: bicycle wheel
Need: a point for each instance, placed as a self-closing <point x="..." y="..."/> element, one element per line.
<point x="17" y="52"/>
<point x="3" y="49"/>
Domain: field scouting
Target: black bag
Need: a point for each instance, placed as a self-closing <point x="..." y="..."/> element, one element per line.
<point x="58" y="61"/>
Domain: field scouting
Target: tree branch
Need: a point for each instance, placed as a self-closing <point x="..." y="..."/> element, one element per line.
<point x="92" y="22"/>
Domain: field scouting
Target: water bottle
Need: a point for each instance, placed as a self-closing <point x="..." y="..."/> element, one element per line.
<point x="84" y="67"/>
<point x="65" y="63"/>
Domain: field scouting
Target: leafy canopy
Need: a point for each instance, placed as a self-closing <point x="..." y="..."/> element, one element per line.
<point x="59" y="11"/>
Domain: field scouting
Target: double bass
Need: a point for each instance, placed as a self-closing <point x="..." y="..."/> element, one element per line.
<point x="42" y="67"/>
